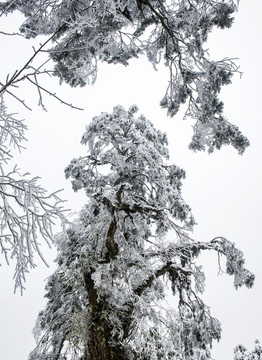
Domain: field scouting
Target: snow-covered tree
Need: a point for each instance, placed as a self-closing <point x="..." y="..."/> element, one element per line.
<point x="174" y="32"/>
<point x="127" y="284"/>
<point x="27" y="212"/>
<point x="241" y="353"/>
<point x="115" y="31"/>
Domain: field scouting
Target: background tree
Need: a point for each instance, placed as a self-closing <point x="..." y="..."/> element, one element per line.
<point x="128" y="250"/>
<point x="115" y="31"/>
<point x="241" y="352"/>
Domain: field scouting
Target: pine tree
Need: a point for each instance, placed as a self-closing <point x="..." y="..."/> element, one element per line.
<point x="129" y="250"/>
<point x="131" y="247"/>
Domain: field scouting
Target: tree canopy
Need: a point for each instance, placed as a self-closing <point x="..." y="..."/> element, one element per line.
<point x="131" y="247"/>
<point x="114" y="31"/>
<point x="128" y="251"/>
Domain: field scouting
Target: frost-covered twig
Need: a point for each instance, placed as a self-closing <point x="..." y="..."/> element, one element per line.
<point x="27" y="211"/>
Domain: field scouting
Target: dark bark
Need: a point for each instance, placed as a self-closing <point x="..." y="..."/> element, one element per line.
<point x="111" y="245"/>
<point x="100" y="346"/>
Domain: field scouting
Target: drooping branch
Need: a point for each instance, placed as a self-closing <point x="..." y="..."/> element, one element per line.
<point x="27" y="211"/>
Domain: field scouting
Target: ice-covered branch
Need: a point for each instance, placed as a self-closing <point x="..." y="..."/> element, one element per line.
<point x="27" y="212"/>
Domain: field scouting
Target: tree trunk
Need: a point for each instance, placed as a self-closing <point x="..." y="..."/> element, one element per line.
<point x="100" y="337"/>
<point x="99" y="344"/>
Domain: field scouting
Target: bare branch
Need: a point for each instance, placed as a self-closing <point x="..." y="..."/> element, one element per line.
<point x="52" y="94"/>
<point x="15" y="77"/>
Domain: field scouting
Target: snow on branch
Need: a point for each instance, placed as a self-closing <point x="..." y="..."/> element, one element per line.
<point x="27" y="212"/>
<point x="127" y="270"/>
<point x="171" y="33"/>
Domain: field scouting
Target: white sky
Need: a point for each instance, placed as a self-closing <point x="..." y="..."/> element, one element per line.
<point x="223" y="189"/>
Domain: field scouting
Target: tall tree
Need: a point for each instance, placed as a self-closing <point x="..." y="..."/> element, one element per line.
<point x="129" y="251"/>
<point x="85" y="32"/>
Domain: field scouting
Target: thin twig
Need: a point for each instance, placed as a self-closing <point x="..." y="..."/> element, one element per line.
<point x="18" y="73"/>
<point x="17" y="98"/>
<point x="53" y="95"/>
<point x="11" y="34"/>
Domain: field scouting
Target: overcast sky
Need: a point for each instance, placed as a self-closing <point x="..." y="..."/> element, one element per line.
<point x="223" y="189"/>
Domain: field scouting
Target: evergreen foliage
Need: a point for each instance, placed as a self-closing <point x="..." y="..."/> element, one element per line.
<point x="241" y="353"/>
<point x="172" y="32"/>
<point x="131" y="249"/>
<point x="128" y="252"/>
